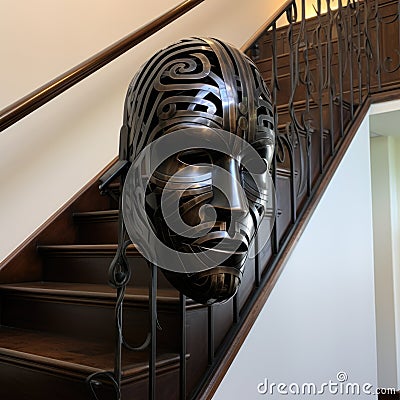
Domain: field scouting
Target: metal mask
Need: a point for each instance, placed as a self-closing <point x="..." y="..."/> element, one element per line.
<point x="198" y="130"/>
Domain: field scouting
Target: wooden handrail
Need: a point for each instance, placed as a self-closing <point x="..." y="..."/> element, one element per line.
<point x="29" y="103"/>
<point x="274" y="17"/>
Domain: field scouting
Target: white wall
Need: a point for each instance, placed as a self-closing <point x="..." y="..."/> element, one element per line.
<point x="319" y="319"/>
<point x="394" y="155"/>
<point x="51" y="154"/>
<point x="385" y="223"/>
<point x="396" y="245"/>
<point x="385" y="165"/>
<point x="385" y="150"/>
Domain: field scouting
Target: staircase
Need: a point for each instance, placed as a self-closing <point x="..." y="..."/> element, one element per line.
<point x="58" y="330"/>
<point x="57" y="309"/>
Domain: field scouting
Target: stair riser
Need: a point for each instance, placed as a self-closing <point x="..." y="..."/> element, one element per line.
<point x="96" y="321"/>
<point x="89" y="268"/>
<point x="98" y="232"/>
<point x="20" y="383"/>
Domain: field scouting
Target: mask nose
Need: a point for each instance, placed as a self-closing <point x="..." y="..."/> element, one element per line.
<point x="228" y="195"/>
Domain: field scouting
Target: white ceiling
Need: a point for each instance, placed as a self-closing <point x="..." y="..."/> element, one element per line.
<point x="386" y="124"/>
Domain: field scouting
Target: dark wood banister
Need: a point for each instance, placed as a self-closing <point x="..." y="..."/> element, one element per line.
<point x="29" y="103"/>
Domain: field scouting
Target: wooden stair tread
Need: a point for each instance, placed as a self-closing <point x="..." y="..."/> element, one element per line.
<point x="95" y="249"/>
<point x="70" y="355"/>
<point x="92" y="216"/>
<point x="87" y="290"/>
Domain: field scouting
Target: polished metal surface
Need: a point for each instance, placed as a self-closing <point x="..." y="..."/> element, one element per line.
<point x="205" y="197"/>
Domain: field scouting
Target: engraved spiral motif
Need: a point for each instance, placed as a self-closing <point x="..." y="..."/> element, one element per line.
<point x="197" y="81"/>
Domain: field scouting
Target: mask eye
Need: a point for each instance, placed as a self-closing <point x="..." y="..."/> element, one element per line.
<point x="193" y="157"/>
<point x="247" y="179"/>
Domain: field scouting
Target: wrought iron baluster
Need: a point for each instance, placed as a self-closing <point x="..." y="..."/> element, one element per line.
<point x="292" y="131"/>
<point x="274" y="233"/>
<point x="210" y="319"/>
<point x="377" y="19"/>
<point x="322" y="80"/>
<point x="255" y="52"/>
<point x="153" y="330"/>
<point x="291" y="135"/>
<point x="235" y="308"/>
<point x="307" y="116"/>
<point x="274" y="92"/>
<point x="367" y="47"/>
<point x="340" y="38"/>
<point x="119" y="277"/>
<point x="350" y="51"/>
<point x="300" y="125"/>
<point x="257" y="269"/>
<point x="331" y="88"/>
<point x="359" y="63"/>
<point x="182" y="351"/>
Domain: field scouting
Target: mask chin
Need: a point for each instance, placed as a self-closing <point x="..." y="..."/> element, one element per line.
<point x="216" y="285"/>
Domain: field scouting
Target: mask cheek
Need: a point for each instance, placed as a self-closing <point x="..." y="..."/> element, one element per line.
<point x="179" y="215"/>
